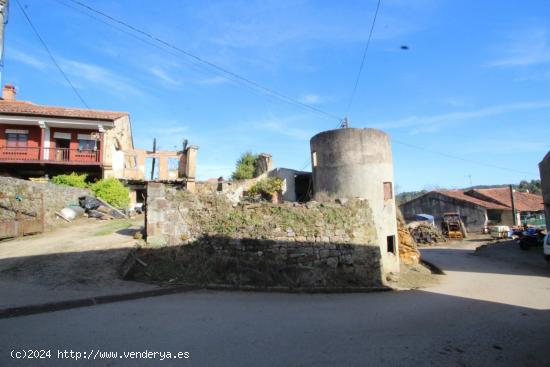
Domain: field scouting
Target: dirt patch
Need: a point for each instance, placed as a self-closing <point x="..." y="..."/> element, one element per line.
<point x="82" y="253"/>
<point x="415" y="276"/>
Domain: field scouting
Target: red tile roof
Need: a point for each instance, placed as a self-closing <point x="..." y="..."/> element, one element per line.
<point x="30" y="109"/>
<point x="498" y="198"/>
<point x="524" y="201"/>
<point x="460" y="195"/>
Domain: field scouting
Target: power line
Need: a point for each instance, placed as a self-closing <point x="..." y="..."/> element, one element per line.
<point x="236" y="77"/>
<point x="219" y="69"/>
<point x="362" y="60"/>
<point x="50" y="54"/>
<point x="460" y="158"/>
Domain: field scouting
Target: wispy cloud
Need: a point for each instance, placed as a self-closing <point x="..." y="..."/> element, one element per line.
<point x="537" y="77"/>
<point x="27" y="59"/>
<point x="91" y="75"/>
<point x="528" y="47"/>
<point x="434" y="122"/>
<point x="164" y="77"/>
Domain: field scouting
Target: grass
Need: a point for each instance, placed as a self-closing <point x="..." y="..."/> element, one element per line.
<point x="113" y="226"/>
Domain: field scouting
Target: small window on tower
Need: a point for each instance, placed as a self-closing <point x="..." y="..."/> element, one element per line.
<point x="388" y="191"/>
<point x="314" y="159"/>
<point x="390" y="241"/>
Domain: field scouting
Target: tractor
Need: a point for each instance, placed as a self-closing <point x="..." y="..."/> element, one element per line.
<point x="452" y="226"/>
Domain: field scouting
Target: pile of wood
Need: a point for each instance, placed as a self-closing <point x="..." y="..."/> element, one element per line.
<point x="408" y="251"/>
<point x="424" y="232"/>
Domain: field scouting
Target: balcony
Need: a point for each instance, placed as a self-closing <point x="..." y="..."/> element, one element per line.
<point x="55" y="155"/>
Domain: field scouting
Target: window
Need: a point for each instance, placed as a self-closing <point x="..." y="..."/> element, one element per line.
<point x="314" y="159"/>
<point x="390" y="243"/>
<point x="173" y="164"/>
<point x="494" y="216"/>
<point x="85" y="144"/>
<point x="388" y="191"/>
<point x="17" y="138"/>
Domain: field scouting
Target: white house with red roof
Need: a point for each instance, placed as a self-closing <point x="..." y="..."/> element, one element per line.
<point x="38" y="140"/>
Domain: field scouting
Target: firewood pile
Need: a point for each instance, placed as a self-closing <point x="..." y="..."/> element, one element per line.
<point x="408" y="252"/>
<point x="425" y="233"/>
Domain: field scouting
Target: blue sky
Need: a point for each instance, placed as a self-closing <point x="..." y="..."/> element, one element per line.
<point x="474" y="84"/>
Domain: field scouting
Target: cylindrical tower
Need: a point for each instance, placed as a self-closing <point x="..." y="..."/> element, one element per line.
<point x="351" y="163"/>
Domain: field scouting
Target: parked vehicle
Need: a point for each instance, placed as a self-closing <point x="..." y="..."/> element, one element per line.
<point x="452" y="226"/>
<point x="546" y="248"/>
<point x="532" y="237"/>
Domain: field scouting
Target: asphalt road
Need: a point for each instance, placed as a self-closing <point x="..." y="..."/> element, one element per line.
<point x="485" y="312"/>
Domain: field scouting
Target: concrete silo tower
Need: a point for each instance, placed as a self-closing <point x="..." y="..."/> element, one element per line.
<point x="350" y="163"/>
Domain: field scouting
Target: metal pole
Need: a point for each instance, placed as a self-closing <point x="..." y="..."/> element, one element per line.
<point x="4" y="11"/>
<point x="513" y="205"/>
<point x="153" y="163"/>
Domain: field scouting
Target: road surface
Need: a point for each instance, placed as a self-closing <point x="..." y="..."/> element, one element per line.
<point x="487" y="311"/>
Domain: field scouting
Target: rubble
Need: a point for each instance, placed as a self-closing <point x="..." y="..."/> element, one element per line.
<point x="99" y="209"/>
<point x="423" y="232"/>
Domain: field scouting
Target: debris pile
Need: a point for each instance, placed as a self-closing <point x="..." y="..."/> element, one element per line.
<point x="423" y="232"/>
<point x="97" y="208"/>
<point x="93" y="208"/>
<point x="408" y="252"/>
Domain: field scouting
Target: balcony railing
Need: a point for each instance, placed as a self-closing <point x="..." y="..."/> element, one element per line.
<point x="61" y="155"/>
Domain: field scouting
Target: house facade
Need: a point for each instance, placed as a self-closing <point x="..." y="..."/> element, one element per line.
<point x="478" y="208"/>
<point x="38" y="140"/>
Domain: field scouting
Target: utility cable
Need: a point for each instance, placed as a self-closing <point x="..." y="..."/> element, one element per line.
<point x="354" y="91"/>
<point x="51" y="55"/>
<point x="219" y="69"/>
<point x="460" y="158"/>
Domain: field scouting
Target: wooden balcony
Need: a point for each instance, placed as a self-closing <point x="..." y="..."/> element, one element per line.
<point x="55" y="155"/>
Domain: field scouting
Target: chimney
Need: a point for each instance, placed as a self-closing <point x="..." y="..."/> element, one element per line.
<point x="8" y="93"/>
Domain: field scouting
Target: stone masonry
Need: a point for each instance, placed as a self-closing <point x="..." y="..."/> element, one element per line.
<point x="319" y="244"/>
<point x="56" y="197"/>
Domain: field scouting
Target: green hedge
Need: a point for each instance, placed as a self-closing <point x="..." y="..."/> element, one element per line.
<point x="73" y="179"/>
<point x="112" y="191"/>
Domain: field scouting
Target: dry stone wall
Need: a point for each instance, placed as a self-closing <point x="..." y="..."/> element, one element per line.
<point x="29" y="195"/>
<point x="291" y="244"/>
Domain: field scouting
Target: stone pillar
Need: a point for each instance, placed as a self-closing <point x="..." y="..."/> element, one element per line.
<point x="163" y="168"/>
<point x="191" y="166"/>
<point x="264" y="163"/>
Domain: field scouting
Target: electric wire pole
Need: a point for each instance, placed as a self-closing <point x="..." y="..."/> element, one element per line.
<point x="4" y="12"/>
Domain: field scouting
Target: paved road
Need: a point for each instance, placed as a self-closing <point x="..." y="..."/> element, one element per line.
<point x="485" y="312"/>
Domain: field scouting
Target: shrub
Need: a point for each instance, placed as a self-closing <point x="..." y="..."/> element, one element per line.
<point x="246" y="166"/>
<point x="73" y="179"/>
<point x="266" y="187"/>
<point x="112" y="191"/>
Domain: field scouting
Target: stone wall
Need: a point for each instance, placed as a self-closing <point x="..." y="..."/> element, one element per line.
<point x="294" y="244"/>
<point x="56" y="197"/>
